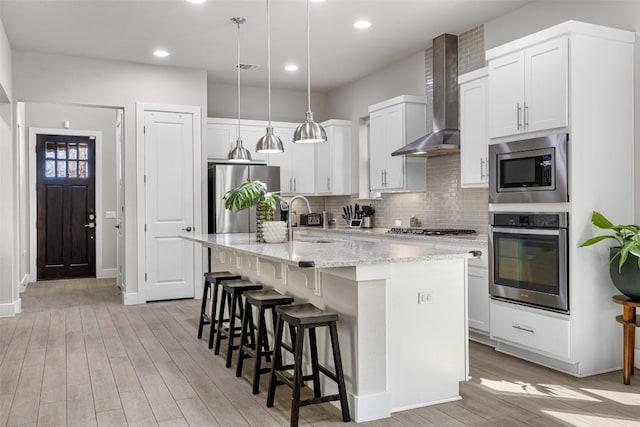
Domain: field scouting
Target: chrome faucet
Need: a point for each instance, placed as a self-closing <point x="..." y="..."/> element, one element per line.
<point x="289" y="230"/>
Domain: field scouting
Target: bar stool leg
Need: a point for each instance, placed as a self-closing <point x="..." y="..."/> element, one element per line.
<point x="297" y="378"/>
<point x="203" y="308"/>
<point x="220" y="322"/>
<point x="313" y="346"/>
<point x="244" y="335"/>
<point x="262" y="345"/>
<point x="214" y="304"/>
<point x="337" y="360"/>
<point x="232" y="322"/>
<point x="277" y="362"/>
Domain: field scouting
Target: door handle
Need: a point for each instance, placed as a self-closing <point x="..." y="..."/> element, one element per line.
<point x="526" y="116"/>
<point x="90" y="225"/>
<point x="481" y="168"/>
<point x="518" y="109"/>
<point x="188" y="228"/>
<point x="117" y="226"/>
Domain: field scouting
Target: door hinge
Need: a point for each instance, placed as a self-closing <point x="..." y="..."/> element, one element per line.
<point x="145" y="277"/>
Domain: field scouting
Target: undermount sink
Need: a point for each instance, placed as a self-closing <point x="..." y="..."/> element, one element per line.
<point x="315" y="240"/>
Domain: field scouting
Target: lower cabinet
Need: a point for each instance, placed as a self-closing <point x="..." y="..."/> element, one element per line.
<point x="531" y="329"/>
<point x="478" y="299"/>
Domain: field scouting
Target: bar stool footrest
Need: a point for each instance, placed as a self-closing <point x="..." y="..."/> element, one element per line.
<point x="320" y="399"/>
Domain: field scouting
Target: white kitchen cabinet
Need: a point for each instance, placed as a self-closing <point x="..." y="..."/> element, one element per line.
<point x="393" y="124"/>
<point x="333" y="159"/>
<point x="297" y="163"/>
<point x="529" y="88"/>
<point x="222" y="135"/>
<point x="478" y="306"/>
<point x="474" y="160"/>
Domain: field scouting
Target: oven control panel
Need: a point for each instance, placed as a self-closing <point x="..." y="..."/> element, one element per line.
<point x="529" y="220"/>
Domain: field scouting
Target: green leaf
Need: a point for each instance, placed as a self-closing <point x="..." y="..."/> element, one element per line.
<point x="600" y="221"/>
<point x="596" y="239"/>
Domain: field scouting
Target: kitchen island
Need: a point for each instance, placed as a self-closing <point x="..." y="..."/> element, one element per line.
<point x="403" y="310"/>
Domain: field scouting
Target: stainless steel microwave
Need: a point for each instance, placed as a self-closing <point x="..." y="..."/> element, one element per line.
<point x="529" y="171"/>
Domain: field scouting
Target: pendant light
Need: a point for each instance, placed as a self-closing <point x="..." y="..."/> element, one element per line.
<point x="239" y="153"/>
<point x="309" y="131"/>
<point x="269" y="143"/>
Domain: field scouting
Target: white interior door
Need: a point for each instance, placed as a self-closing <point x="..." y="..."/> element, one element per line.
<point x="119" y="200"/>
<point x="169" y="207"/>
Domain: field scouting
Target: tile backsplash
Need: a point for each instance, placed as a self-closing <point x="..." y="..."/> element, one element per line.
<point x="444" y="204"/>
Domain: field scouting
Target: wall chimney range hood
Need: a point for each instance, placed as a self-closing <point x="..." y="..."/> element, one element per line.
<point x="445" y="139"/>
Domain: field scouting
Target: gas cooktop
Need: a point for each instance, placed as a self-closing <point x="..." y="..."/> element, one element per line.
<point x="430" y="231"/>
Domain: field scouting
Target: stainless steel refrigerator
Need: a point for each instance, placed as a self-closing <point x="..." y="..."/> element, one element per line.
<point x="225" y="177"/>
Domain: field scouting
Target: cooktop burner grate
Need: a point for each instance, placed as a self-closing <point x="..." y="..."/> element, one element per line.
<point x="430" y="231"/>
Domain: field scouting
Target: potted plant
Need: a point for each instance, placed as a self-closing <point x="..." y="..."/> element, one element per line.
<point x="252" y="193"/>
<point x="624" y="256"/>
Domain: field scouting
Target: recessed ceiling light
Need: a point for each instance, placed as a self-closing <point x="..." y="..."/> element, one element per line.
<point x="291" y="67"/>
<point x="196" y="1"/>
<point x="160" y="53"/>
<point x="362" y="24"/>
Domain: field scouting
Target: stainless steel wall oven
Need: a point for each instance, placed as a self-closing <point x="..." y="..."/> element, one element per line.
<point x="528" y="255"/>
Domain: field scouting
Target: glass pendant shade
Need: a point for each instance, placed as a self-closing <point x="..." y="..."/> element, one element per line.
<point x="309" y="132"/>
<point x="239" y="153"/>
<point x="269" y="143"/>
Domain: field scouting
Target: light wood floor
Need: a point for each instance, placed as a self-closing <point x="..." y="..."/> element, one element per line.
<point x="77" y="357"/>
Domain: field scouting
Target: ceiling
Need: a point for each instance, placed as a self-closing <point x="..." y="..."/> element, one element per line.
<point x="202" y="36"/>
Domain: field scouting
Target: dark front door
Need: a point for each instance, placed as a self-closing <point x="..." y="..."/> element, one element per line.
<point x="66" y="206"/>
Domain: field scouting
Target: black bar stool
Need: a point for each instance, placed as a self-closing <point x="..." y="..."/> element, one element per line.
<point x="232" y="291"/>
<point x="263" y="300"/>
<point x="303" y="317"/>
<point x="213" y="278"/>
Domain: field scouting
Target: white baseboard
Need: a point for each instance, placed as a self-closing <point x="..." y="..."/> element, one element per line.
<point x="24" y="282"/>
<point x="106" y="273"/>
<point x="131" y="298"/>
<point x="11" y="309"/>
<point x="370" y="407"/>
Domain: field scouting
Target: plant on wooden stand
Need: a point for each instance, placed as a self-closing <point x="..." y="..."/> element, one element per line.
<point x="252" y="193"/>
<point x="625" y="273"/>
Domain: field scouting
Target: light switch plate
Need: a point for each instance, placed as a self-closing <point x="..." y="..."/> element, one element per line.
<point x="110" y="215"/>
<point x="425" y="297"/>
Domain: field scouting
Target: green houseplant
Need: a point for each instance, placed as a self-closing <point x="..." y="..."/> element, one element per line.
<point x="624" y="256"/>
<point x="252" y="193"/>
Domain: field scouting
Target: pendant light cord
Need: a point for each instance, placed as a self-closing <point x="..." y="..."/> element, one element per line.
<point x="269" y="63"/>
<point x="238" y="70"/>
<point x="308" y="63"/>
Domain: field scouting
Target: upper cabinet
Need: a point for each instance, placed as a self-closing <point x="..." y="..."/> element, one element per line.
<point x="333" y="159"/>
<point x="222" y="135"/>
<point x="474" y="164"/>
<point x="297" y="163"/>
<point x="393" y="124"/>
<point x="529" y="88"/>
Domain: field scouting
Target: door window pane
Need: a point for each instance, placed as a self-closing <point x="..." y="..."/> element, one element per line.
<point x="83" y="150"/>
<point x="62" y="150"/>
<point x="50" y="150"/>
<point x="83" y="170"/>
<point x="73" y="168"/>
<point x="73" y="151"/>
<point x="62" y="168"/>
<point x="50" y="168"/>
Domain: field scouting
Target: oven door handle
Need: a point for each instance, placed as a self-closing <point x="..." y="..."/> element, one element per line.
<point x="535" y="231"/>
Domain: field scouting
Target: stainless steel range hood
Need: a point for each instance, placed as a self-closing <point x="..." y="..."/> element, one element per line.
<point x="445" y="139"/>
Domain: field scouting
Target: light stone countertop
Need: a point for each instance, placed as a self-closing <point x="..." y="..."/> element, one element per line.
<point x="470" y="239"/>
<point x="327" y="252"/>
